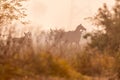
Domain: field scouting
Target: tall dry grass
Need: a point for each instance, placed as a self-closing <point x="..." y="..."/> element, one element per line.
<point x="20" y="59"/>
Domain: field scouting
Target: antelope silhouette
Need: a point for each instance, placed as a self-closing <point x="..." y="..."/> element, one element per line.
<point x="70" y="36"/>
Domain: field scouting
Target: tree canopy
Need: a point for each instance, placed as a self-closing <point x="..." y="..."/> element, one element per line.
<point x="109" y="20"/>
<point x="11" y="10"/>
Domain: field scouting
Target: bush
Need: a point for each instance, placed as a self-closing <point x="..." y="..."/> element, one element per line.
<point x="94" y="64"/>
<point x="36" y="64"/>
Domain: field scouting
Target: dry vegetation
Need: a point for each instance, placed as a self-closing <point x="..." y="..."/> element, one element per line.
<point x="19" y="61"/>
<point x="44" y="57"/>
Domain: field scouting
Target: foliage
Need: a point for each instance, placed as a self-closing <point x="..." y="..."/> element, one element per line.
<point x="27" y="64"/>
<point x="11" y="10"/>
<point x="94" y="64"/>
<point x="36" y="64"/>
<point x="108" y="20"/>
<point x="106" y="39"/>
<point x="56" y="35"/>
<point x="117" y="64"/>
<point x="15" y="45"/>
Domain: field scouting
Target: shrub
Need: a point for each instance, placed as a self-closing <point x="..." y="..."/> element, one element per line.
<point x="36" y="64"/>
<point x="94" y="64"/>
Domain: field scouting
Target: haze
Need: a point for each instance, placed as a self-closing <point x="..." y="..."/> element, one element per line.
<point x="66" y="14"/>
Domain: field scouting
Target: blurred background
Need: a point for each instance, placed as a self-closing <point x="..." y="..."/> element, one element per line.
<point x="66" y="14"/>
<point x="59" y="39"/>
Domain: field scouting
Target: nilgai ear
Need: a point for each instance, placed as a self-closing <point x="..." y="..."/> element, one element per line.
<point x="50" y="29"/>
<point x="25" y="33"/>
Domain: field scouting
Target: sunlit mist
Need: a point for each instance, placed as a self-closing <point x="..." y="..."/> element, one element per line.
<point x="65" y="14"/>
<point x="59" y="40"/>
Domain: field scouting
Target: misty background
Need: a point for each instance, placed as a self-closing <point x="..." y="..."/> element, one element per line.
<point x="66" y="14"/>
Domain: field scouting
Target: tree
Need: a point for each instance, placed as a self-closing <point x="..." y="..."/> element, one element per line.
<point x="108" y="20"/>
<point x="11" y="10"/>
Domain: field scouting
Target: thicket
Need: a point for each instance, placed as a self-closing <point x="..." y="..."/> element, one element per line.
<point x="21" y="60"/>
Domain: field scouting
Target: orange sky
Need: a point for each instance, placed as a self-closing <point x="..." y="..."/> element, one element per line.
<point x="65" y="14"/>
